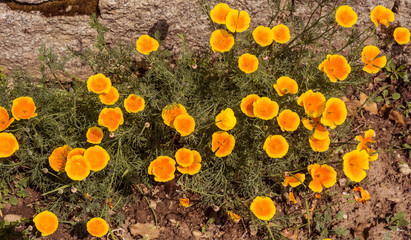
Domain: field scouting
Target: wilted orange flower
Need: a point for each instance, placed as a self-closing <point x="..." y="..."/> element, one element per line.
<point x="58" y="158"/>
<point x="94" y="135"/>
<point x="4" y="119"/>
<point x="248" y="63"/>
<point x="317" y="195"/>
<point x="288" y="120"/>
<point x="286" y="85"/>
<point x="226" y="120"/>
<point x="365" y="195"/>
<point x="134" y="104"/>
<point x="221" y="41"/>
<point x="235" y="217"/>
<point x="99" y="84"/>
<point x="381" y="14"/>
<point x="291" y="198"/>
<point x="219" y="13"/>
<point x="78" y="168"/>
<point x="319" y="145"/>
<point x="222" y="143"/>
<point x="185" y="202"/>
<point x="355" y="162"/>
<point x="263" y="208"/>
<point x="146" y="44"/>
<point x="110" y="97"/>
<point x="162" y="168"/>
<point x="369" y="57"/>
<point x="363" y="145"/>
<point x="8" y="144"/>
<point x="265" y="109"/>
<point x="184" y="157"/>
<point x="345" y="16"/>
<point x="247" y="104"/>
<point x="74" y="152"/>
<point x="313" y="102"/>
<point x="23" y="108"/>
<point x="276" y="146"/>
<point x="281" y="33"/>
<point x="336" y="67"/>
<point x="294" y="180"/>
<point x="170" y="112"/>
<point x="97" y="157"/>
<point x="111" y="118"/>
<point x="184" y="124"/>
<point x="237" y="22"/>
<point x="323" y="176"/>
<point x="97" y="227"/>
<point x="46" y="222"/>
<point x="194" y="167"/>
<point x="320" y="131"/>
<point x="263" y="36"/>
<point x="402" y="35"/>
<point x="335" y="113"/>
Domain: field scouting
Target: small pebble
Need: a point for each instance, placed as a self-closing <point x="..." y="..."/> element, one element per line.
<point x="196" y="233"/>
<point x="342" y="182"/>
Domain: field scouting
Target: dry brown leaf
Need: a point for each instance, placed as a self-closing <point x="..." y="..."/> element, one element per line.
<point x="146" y="230"/>
<point x="397" y="117"/>
<point x="351" y="104"/>
<point x="370" y="107"/>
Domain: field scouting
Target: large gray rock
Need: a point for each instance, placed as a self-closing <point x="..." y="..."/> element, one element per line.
<point x="22" y="33"/>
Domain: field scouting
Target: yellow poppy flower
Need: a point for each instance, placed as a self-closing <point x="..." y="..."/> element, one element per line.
<point x="94" y="135"/>
<point x="381" y="14"/>
<point x="8" y="144"/>
<point x="146" y="44"/>
<point x="276" y="146"/>
<point x="345" y="16"/>
<point x="263" y="208"/>
<point x="373" y="63"/>
<point x="46" y="222"/>
<point x="263" y="36"/>
<point x="184" y="124"/>
<point x="162" y="168"/>
<point x="285" y="85"/>
<point x="111" y="118"/>
<point x="265" y="109"/>
<point x="99" y="84"/>
<point x="219" y="13"/>
<point x="4" y="119"/>
<point x="97" y="227"/>
<point x="402" y="35"/>
<point x="288" y="120"/>
<point x="248" y="63"/>
<point x="335" y="113"/>
<point x="221" y="41"/>
<point x="110" y="97"/>
<point x="323" y="176"/>
<point x="237" y="21"/>
<point x="355" y="162"/>
<point x="134" y="104"/>
<point x="247" y="105"/>
<point x="226" y="120"/>
<point x="23" y="108"/>
<point x="97" y="157"/>
<point x="281" y="33"/>
<point x="222" y="143"/>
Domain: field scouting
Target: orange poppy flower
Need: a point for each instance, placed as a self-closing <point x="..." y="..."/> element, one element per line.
<point x="319" y="145"/>
<point x="335" y="113"/>
<point x="97" y="227"/>
<point x="355" y="162"/>
<point x="162" y="168"/>
<point x="383" y="15"/>
<point x="402" y="35"/>
<point x="8" y="144"/>
<point x="184" y="157"/>
<point x="248" y="63"/>
<point x="97" y="157"/>
<point x="323" y="176"/>
<point x="194" y="167"/>
<point x="365" y="195"/>
<point x="111" y="118"/>
<point x="281" y="33"/>
<point x="300" y="100"/>
<point x="276" y="146"/>
<point x="221" y="41"/>
<point x="78" y="168"/>
<point x="99" y="84"/>
<point x="263" y="36"/>
<point x="94" y="135"/>
<point x="134" y="104"/>
<point x="369" y="57"/>
<point x="58" y="158"/>
<point x="226" y="119"/>
<point x="235" y="217"/>
<point x="285" y="85"/>
<point x="263" y="208"/>
<point x="336" y="67"/>
<point x="23" y="108"/>
<point x="363" y="145"/>
<point x="288" y="120"/>
<point x="294" y="180"/>
<point x="219" y="13"/>
<point x="345" y="16"/>
<point x="110" y="97"/>
<point x="170" y="112"/>
<point x="185" y="202"/>
<point x="313" y="102"/>
<point x="46" y="222"/>
<point x="4" y="119"/>
<point x="237" y="21"/>
<point x="291" y="198"/>
<point x="222" y="143"/>
<point x="320" y="131"/>
<point x="146" y="44"/>
<point x="247" y="104"/>
<point x="74" y="152"/>
<point x="184" y="124"/>
<point x="265" y="109"/>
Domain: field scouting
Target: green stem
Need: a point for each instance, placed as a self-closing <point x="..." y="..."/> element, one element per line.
<point x="269" y="230"/>
<point x="62" y="187"/>
<point x="149" y="205"/>
<point x="308" y="214"/>
<point x="112" y="234"/>
<point x="72" y="76"/>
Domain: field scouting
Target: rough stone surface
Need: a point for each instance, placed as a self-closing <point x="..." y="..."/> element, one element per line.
<point x="22" y="33"/>
<point x="32" y="1"/>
